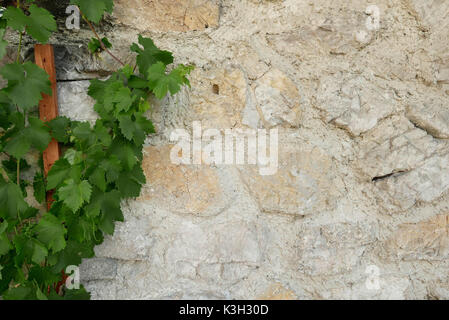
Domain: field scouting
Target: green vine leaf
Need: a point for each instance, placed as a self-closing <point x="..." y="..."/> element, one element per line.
<point x="74" y="194"/>
<point x="95" y="46"/>
<point x="3" y="43"/>
<point x="59" y="129"/>
<point x="98" y="179"/>
<point x="43" y="275"/>
<point x="26" y="83"/>
<point x="12" y="201"/>
<point x="5" y="244"/>
<point x="135" y="129"/>
<point x="30" y="250"/>
<point x="39" y="187"/>
<point x="94" y="10"/>
<point x="73" y="254"/>
<point x="124" y="152"/>
<point x="61" y="171"/>
<point x="101" y="165"/>
<point x="130" y="182"/>
<point x="51" y="232"/>
<point x="19" y="293"/>
<point x="161" y="83"/>
<point x="35" y="135"/>
<point x="40" y="24"/>
<point x="150" y="54"/>
<point x="112" y="167"/>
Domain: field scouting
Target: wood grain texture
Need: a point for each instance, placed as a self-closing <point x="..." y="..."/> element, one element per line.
<point x="48" y="106"/>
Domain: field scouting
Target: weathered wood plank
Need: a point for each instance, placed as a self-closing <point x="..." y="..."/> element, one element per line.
<point x="48" y="106"/>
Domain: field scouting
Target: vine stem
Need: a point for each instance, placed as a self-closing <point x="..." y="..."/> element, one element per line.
<point x="99" y="39"/>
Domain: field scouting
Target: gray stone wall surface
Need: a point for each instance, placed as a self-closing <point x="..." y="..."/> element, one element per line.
<point x="362" y="188"/>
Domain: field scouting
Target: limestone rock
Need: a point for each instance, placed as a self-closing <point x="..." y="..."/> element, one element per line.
<point x="74" y="102"/>
<point x="432" y="15"/>
<point x="278" y="292"/>
<point x="424" y="240"/>
<point x="219" y="96"/>
<point x="192" y="260"/>
<point x="354" y="103"/>
<point x="304" y="183"/>
<point x="182" y="189"/>
<point x="132" y="239"/>
<point x="254" y="66"/>
<point x="102" y="289"/>
<point x="74" y="62"/>
<point x="167" y="15"/>
<point x="235" y="242"/>
<point x="278" y="98"/>
<point x="395" y="146"/>
<point x="424" y="184"/>
<point x="98" y="269"/>
<point x="432" y="116"/>
<point x="334" y="248"/>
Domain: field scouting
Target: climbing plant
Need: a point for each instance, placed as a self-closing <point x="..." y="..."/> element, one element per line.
<point x="101" y="165"/>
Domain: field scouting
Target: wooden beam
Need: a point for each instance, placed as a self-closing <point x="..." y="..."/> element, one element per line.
<point x="48" y="106"/>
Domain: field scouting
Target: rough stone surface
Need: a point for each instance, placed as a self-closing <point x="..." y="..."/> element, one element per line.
<point x="98" y="269"/>
<point x="354" y="103"/>
<point x="168" y="15"/>
<point x="219" y="96"/>
<point x="304" y="183"/>
<point x="183" y="190"/>
<point x="424" y="184"/>
<point x="363" y="179"/>
<point x="74" y="101"/>
<point x="278" y="98"/>
<point x="425" y="240"/>
<point x="396" y="146"/>
<point x="431" y="115"/>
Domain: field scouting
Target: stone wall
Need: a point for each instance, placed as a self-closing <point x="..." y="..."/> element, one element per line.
<point x="363" y="178"/>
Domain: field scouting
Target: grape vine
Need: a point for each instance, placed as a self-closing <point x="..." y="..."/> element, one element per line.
<point x="101" y="164"/>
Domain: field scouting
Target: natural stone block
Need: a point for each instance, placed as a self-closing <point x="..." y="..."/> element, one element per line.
<point x="74" y="102"/>
<point x="432" y="13"/>
<point x="432" y="17"/>
<point x="424" y="184"/>
<point x="277" y="292"/>
<point x="354" y="103"/>
<point x="182" y="189"/>
<point x="305" y="182"/>
<point x="98" y="269"/>
<point x="431" y="115"/>
<point x="102" y="289"/>
<point x="208" y="245"/>
<point x="334" y="248"/>
<point x="75" y="62"/>
<point x="167" y="15"/>
<point x="424" y="240"/>
<point x="278" y="98"/>
<point x="132" y="239"/>
<point x="219" y="96"/>
<point x="395" y="146"/>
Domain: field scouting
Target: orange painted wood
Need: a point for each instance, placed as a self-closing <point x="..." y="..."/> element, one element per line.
<point x="48" y="106"/>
